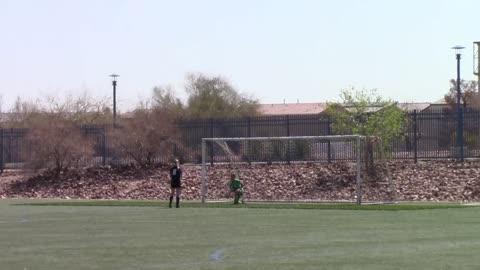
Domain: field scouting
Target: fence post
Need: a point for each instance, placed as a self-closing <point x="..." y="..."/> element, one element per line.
<point x="329" y="132"/>
<point x="211" y="144"/>
<point x="462" y="154"/>
<point x="104" y="147"/>
<point x="249" y="134"/>
<point x="415" y="154"/>
<point x="10" y="157"/>
<point x="288" y="125"/>
<point x="288" y="141"/>
<point x="1" y="151"/>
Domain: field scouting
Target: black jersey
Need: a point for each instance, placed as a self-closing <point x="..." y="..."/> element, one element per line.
<point x="175" y="176"/>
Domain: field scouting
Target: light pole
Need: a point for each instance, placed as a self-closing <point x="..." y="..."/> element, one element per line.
<point x="114" y="84"/>
<point x="459" y="107"/>
<point x="476" y="62"/>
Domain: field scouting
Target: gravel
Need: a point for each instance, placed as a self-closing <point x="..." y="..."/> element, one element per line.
<point x="422" y="181"/>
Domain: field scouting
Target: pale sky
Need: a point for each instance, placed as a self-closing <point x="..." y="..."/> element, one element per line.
<point x="272" y="49"/>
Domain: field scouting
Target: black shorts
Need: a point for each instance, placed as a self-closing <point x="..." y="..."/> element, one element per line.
<point x="176" y="184"/>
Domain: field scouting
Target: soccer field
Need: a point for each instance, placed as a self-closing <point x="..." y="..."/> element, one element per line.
<point x="194" y="237"/>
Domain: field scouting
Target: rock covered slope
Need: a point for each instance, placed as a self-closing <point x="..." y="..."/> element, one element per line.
<point x="424" y="181"/>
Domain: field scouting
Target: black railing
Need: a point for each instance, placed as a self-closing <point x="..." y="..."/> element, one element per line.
<point x="428" y="135"/>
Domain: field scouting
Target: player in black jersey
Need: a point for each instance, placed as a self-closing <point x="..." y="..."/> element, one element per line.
<point x="175" y="183"/>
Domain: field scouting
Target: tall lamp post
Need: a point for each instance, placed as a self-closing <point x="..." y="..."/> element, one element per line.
<point x="459" y="107"/>
<point x="476" y="62"/>
<point x="114" y="84"/>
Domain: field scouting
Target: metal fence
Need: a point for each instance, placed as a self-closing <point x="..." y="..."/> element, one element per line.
<point x="429" y="135"/>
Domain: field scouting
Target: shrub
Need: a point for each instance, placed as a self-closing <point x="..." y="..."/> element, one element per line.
<point x="57" y="145"/>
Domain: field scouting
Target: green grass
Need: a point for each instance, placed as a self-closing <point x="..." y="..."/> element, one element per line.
<point x="279" y="205"/>
<point x="94" y="235"/>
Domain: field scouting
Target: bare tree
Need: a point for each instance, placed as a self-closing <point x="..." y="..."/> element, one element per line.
<point x="81" y="110"/>
<point x="55" y="136"/>
<point x="147" y="135"/>
<point x="23" y="113"/>
<point x="2" y="115"/>
<point x="469" y="96"/>
<point x="57" y="145"/>
<point x="469" y="100"/>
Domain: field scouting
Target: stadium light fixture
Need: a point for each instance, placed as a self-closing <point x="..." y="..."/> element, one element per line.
<point x="114" y="84"/>
<point x="458" y="53"/>
<point x="476" y="62"/>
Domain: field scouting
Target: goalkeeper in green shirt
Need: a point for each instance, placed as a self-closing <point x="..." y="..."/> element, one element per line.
<point x="236" y="187"/>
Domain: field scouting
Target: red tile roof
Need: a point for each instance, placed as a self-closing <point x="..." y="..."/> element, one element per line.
<point x="316" y="108"/>
<point x="419" y="106"/>
<point x="292" y="108"/>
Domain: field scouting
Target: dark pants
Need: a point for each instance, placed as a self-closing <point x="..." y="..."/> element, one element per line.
<point x="237" y="193"/>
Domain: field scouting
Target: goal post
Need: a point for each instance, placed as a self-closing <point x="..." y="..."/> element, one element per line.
<point x="244" y="152"/>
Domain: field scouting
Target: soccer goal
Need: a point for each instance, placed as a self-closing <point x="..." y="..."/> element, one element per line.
<point x="303" y="168"/>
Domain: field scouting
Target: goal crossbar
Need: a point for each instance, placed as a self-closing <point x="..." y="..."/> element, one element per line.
<point x="327" y="137"/>
<point x="356" y="138"/>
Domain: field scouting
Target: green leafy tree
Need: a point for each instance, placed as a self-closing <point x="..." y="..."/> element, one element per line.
<point x="215" y="97"/>
<point x="164" y="98"/>
<point x="365" y="112"/>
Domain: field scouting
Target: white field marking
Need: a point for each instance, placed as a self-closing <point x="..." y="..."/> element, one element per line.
<point x="472" y="204"/>
<point x="26" y="220"/>
<point x="218" y="201"/>
<point x="216" y="256"/>
<point x="20" y="221"/>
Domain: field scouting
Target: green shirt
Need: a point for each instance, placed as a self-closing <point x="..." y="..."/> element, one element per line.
<point x="235" y="184"/>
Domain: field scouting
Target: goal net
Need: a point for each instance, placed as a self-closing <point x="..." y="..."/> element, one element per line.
<point x="304" y="168"/>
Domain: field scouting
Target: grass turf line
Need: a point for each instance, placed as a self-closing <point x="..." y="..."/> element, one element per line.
<point x="319" y="206"/>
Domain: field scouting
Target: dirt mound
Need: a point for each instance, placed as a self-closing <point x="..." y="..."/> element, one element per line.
<point x="423" y="181"/>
